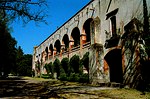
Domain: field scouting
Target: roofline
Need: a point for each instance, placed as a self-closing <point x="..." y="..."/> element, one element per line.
<point x="66" y="22"/>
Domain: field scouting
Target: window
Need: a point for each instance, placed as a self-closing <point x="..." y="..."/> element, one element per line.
<point x="113" y="25"/>
<point x="112" y="17"/>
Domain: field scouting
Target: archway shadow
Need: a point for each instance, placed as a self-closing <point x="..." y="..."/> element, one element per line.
<point x="114" y="60"/>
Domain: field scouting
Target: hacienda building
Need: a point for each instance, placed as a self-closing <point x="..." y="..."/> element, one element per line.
<point x="102" y="28"/>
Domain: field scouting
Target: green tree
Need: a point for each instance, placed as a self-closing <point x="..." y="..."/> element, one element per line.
<point x="27" y="67"/>
<point x="7" y="50"/>
<point x="85" y="61"/>
<point x="47" y="68"/>
<point x="51" y="68"/>
<point x="56" y="65"/>
<point x="74" y="63"/>
<point x="19" y="60"/>
<point x="65" y="65"/>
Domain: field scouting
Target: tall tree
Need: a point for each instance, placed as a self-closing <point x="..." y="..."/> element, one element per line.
<point x="19" y="59"/>
<point x="10" y="10"/>
<point x="7" y="49"/>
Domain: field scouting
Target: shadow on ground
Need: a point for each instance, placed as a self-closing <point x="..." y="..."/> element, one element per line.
<point x="21" y="88"/>
<point x="18" y="87"/>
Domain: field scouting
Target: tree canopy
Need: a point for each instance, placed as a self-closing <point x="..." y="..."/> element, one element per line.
<point x="25" y="10"/>
<point x="7" y="49"/>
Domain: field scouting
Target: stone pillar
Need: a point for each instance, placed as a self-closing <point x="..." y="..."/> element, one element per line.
<point x="96" y="64"/>
<point x="62" y="49"/>
<point x="82" y="41"/>
<point x="54" y="52"/>
<point x="83" y="38"/>
<point x="71" y="45"/>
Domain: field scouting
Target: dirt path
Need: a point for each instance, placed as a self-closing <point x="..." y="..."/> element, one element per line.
<point x="35" y="88"/>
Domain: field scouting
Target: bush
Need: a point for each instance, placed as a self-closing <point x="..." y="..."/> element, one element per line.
<point x="51" y="68"/>
<point x="63" y="77"/>
<point x="56" y="66"/>
<point x="46" y="76"/>
<point x="65" y="65"/>
<point x="74" y="63"/>
<point x="47" y="68"/>
<point x="85" y="61"/>
<point x="74" y="77"/>
<point x="84" y="78"/>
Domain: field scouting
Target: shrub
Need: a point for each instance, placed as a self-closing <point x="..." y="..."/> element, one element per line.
<point x="63" y="77"/>
<point x="85" y="61"/>
<point x="56" y="66"/>
<point x="84" y="78"/>
<point x="74" y="63"/>
<point x="47" y="68"/>
<point x="74" y="77"/>
<point x="65" y="65"/>
<point x="46" y="76"/>
<point x="51" y="68"/>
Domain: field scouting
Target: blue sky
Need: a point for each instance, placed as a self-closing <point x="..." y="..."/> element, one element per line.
<point x="59" y="12"/>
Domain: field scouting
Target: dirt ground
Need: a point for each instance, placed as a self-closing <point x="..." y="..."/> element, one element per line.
<point x="38" y="88"/>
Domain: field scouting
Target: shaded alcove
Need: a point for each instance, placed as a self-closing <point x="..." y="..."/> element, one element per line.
<point x="66" y="41"/>
<point x="46" y="50"/>
<point x="114" y="60"/>
<point x="51" y="49"/>
<point x="57" y="46"/>
<point x="75" y="35"/>
<point x="86" y="28"/>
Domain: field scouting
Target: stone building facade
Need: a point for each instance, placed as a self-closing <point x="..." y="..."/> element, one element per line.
<point x="97" y="28"/>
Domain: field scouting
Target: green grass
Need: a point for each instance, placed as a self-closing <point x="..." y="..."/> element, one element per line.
<point x="123" y="94"/>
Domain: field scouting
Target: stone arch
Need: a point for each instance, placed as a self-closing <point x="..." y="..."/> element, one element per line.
<point x="51" y="49"/>
<point x="46" y="53"/>
<point x="65" y="42"/>
<point x="115" y="65"/>
<point x="75" y="36"/>
<point x="46" y="50"/>
<point x="57" y="46"/>
<point x="86" y="30"/>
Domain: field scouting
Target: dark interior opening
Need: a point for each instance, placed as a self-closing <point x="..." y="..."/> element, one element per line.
<point x="51" y="49"/>
<point x="76" y="36"/>
<point x="114" y="60"/>
<point x="57" y="45"/>
<point x="87" y="28"/>
<point x="66" y="41"/>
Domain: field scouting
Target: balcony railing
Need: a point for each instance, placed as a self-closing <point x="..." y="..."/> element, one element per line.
<point x="65" y="52"/>
<point x="77" y="48"/>
<point x="86" y="45"/>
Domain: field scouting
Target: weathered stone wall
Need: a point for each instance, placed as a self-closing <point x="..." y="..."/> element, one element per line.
<point x="106" y="15"/>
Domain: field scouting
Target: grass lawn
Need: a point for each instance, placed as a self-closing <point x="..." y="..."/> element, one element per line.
<point x="122" y="94"/>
